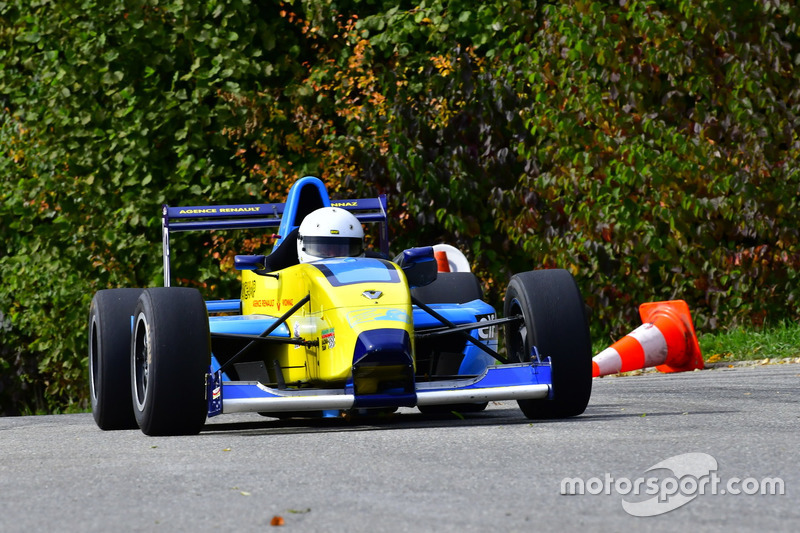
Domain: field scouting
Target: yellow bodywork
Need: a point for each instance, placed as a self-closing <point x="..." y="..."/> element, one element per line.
<point x="332" y="319"/>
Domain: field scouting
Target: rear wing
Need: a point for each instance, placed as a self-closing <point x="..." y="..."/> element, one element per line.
<point x="249" y="216"/>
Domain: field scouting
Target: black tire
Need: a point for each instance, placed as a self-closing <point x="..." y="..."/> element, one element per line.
<point x="170" y="356"/>
<point x="555" y="322"/>
<point x="109" y="357"/>
<point x="450" y="287"/>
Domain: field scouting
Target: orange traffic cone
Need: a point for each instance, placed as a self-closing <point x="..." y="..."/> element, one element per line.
<point x="442" y="264"/>
<point x="666" y="339"/>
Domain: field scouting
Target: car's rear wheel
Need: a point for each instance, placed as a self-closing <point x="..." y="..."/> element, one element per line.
<point x="555" y="323"/>
<point x="171" y="354"/>
<point x="450" y="287"/>
<point x="109" y="357"/>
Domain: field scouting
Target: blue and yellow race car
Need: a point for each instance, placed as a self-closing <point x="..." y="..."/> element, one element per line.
<point x="316" y="334"/>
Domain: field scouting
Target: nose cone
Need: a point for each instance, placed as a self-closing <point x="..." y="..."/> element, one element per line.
<point x="383" y="369"/>
<point x="382" y="347"/>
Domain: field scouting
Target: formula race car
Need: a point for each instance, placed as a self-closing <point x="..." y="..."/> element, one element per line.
<point x="332" y="333"/>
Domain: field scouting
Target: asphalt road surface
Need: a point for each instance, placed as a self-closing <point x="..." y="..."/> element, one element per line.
<point x="718" y="439"/>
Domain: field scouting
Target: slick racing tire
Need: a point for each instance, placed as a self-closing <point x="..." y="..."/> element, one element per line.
<point x="170" y="356"/>
<point x="109" y="357"/>
<point x="555" y="323"/>
<point x="450" y="287"/>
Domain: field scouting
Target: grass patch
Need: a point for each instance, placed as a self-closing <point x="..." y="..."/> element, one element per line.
<point x="775" y="342"/>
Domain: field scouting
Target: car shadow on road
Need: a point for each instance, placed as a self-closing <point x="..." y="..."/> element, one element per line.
<point x="394" y="421"/>
<point x="408" y="419"/>
<point x="617" y="411"/>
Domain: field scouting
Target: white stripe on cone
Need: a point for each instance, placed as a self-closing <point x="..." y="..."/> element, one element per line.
<point x="649" y="337"/>
<point x="608" y="361"/>
<point x="653" y="343"/>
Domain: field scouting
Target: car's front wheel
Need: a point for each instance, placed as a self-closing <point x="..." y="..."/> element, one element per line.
<point x="170" y="357"/>
<point x="554" y="321"/>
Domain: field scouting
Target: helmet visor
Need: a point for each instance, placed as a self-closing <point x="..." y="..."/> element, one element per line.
<point x="333" y="246"/>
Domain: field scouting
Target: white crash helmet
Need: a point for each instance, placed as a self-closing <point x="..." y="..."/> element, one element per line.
<point x="329" y="232"/>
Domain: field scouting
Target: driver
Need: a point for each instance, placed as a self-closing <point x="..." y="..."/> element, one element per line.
<point x="329" y="232"/>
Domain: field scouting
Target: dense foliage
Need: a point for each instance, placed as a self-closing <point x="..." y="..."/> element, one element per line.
<point x="650" y="147"/>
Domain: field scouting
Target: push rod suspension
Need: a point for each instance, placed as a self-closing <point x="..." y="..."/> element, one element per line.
<point x="267" y="331"/>
<point x="480" y="344"/>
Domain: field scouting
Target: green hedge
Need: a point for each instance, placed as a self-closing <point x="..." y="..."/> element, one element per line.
<point x="649" y="147"/>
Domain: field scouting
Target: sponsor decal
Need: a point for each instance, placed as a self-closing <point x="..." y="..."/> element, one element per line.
<point x="354" y="318"/>
<point x="296" y="334"/>
<point x="252" y="209"/>
<point x="489" y="332"/>
<point x="248" y="289"/>
<point x="274" y="302"/>
<point x="210" y="211"/>
<point x="334" y="232"/>
<point x="216" y="393"/>
<point x="344" y="204"/>
<point x="328" y="339"/>
<point x="214" y="210"/>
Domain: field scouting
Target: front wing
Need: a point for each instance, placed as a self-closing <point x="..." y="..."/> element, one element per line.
<point x="496" y="383"/>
